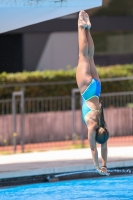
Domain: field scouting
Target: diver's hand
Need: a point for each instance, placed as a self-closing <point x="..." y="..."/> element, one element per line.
<point x="102" y="171"/>
<point x="99" y="170"/>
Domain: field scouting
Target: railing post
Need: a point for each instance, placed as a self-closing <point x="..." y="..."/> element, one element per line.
<point x="14" y="121"/>
<point x="22" y="119"/>
<point x="74" y="91"/>
<point x="82" y="127"/>
<point x="21" y="94"/>
<point x="73" y="113"/>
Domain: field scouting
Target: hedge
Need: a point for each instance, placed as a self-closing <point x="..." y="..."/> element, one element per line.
<point x="63" y="75"/>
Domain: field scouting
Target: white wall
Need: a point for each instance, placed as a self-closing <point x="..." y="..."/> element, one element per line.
<point x="60" y="50"/>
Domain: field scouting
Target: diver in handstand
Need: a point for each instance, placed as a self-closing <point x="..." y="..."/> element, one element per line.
<point x="90" y="88"/>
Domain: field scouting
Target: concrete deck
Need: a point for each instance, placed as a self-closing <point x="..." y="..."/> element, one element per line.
<point x="38" y="163"/>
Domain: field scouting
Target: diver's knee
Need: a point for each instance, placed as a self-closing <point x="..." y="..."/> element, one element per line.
<point x="83" y="56"/>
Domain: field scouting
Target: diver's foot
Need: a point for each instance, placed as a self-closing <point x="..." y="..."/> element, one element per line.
<point x="86" y="19"/>
<point x="81" y="21"/>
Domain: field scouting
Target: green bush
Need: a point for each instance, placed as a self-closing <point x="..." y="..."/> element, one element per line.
<point x="113" y="72"/>
<point x="50" y="76"/>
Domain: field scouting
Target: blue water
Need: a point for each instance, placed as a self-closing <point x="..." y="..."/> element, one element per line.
<point x="105" y="188"/>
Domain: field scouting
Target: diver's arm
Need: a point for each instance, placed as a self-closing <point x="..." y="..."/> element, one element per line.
<point x="96" y="162"/>
<point x="94" y="153"/>
<point x="104" y="152"/>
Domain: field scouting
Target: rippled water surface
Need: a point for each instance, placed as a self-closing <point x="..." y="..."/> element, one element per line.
<point x="105" y="188"/>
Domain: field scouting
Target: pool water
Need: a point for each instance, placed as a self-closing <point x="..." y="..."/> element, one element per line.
<point x="104" y="188"/>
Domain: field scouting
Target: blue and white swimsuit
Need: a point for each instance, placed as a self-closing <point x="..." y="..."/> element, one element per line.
<point x="93" y="90"/>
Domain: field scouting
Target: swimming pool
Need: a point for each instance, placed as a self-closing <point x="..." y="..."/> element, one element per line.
<point x="104" y="188"/>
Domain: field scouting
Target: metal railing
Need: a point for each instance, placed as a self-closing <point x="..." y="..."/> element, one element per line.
<point x="50" y="119"/>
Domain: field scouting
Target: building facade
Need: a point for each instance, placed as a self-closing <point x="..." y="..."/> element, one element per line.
<point x="54" y="44"/>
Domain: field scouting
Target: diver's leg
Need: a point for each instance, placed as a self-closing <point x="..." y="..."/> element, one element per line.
<point x="91" y="55"/>
<point x="82" y="38"/>
<point x="83" y="74"/>
<point x="90" y="48"/>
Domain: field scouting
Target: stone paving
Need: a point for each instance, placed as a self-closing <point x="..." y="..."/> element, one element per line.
<point x="60" y="161"/>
